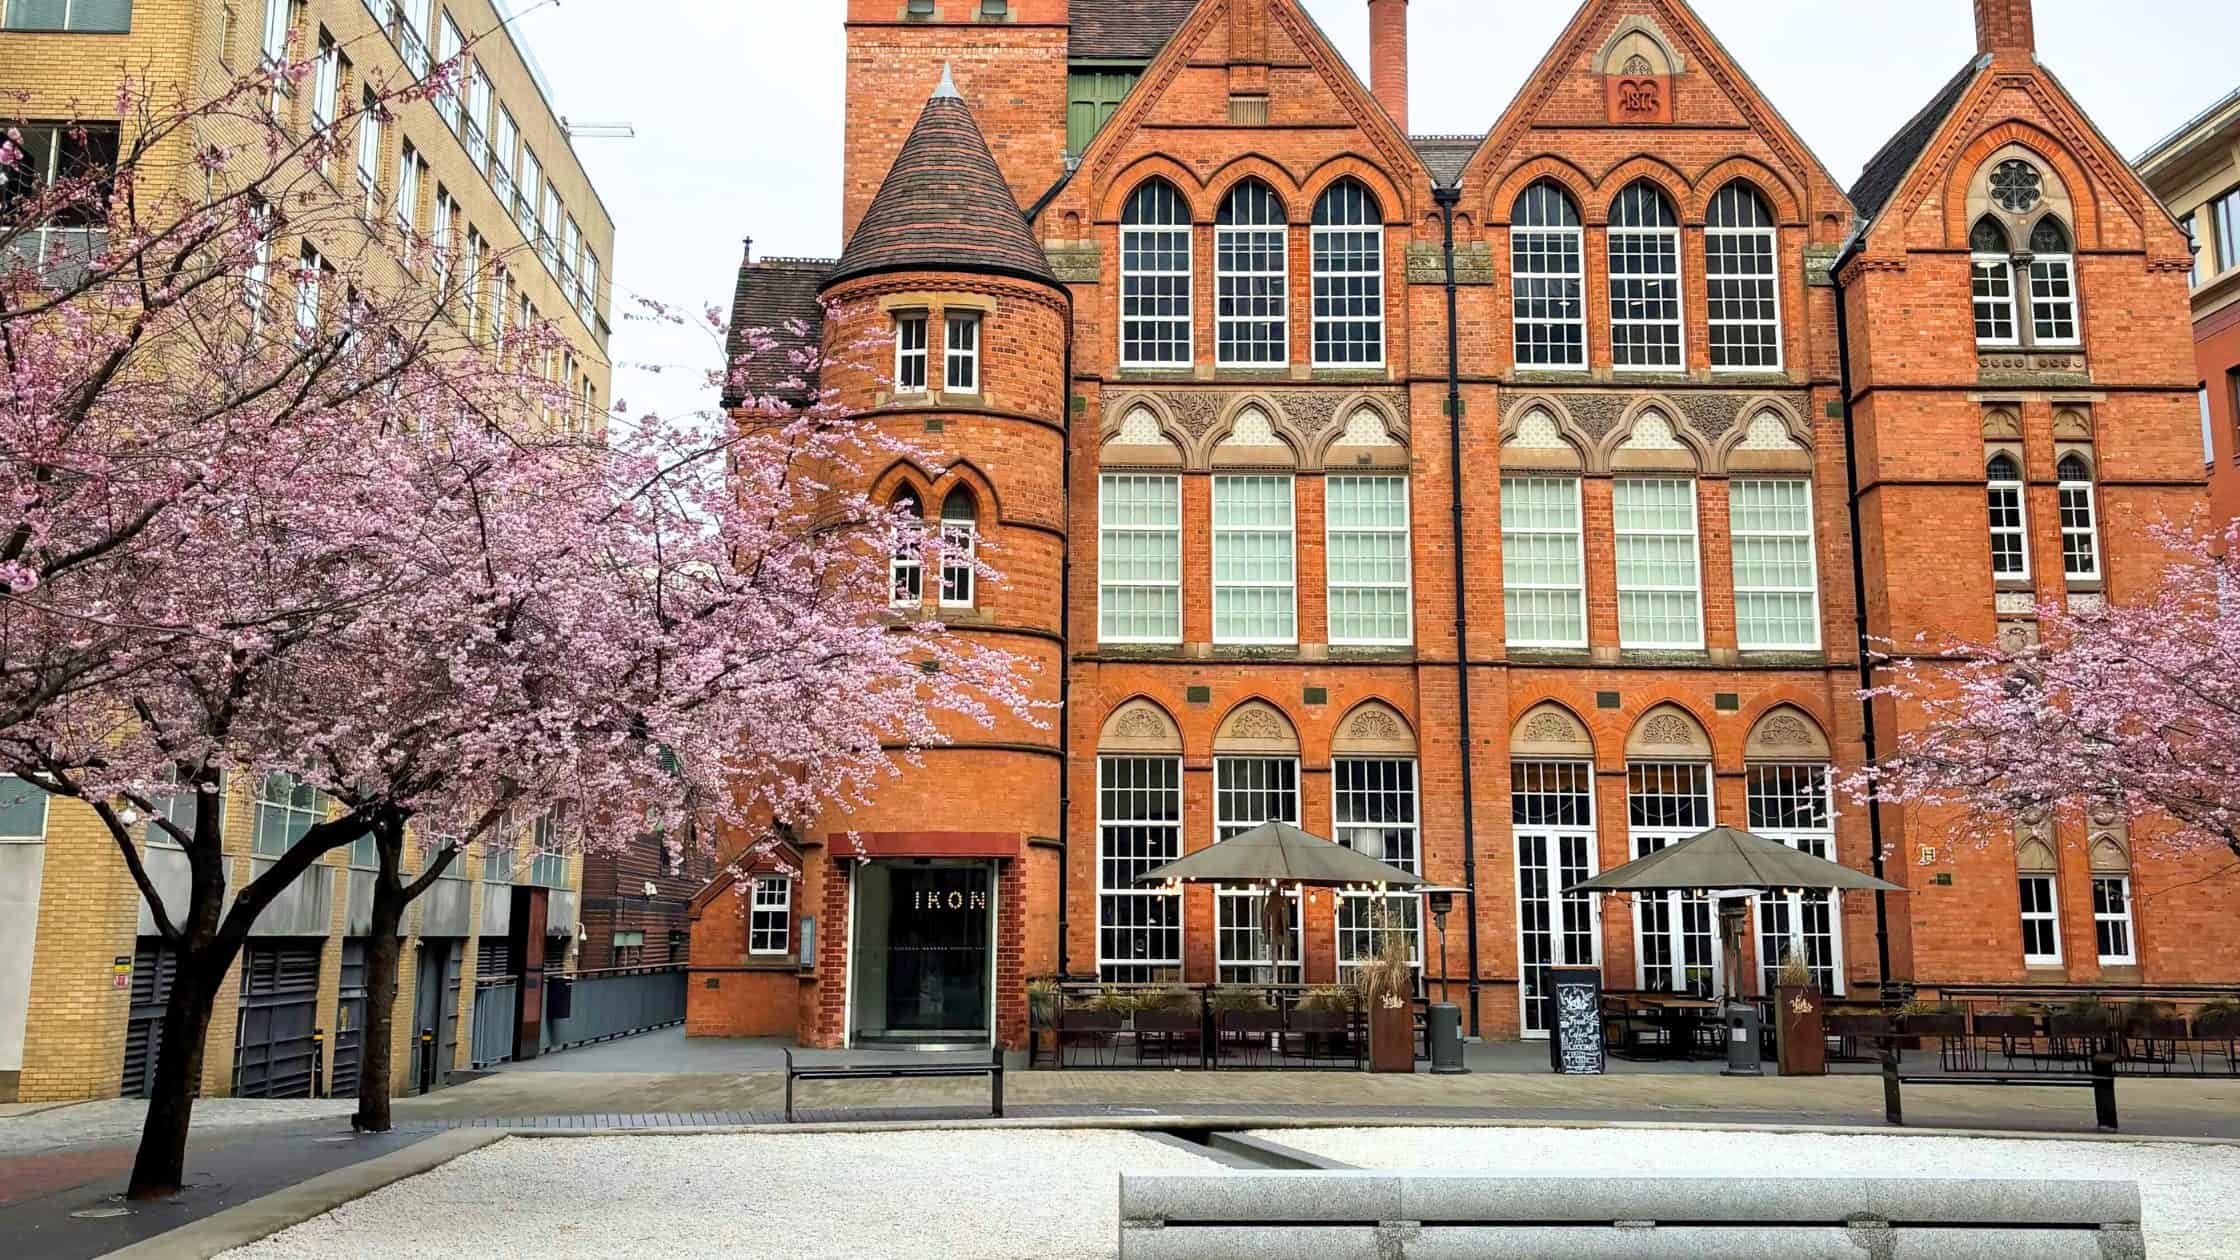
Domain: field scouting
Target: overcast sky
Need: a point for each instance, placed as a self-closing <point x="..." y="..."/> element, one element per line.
<point x="737" y="105"/>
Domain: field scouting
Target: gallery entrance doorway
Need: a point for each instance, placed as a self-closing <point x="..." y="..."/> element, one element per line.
<point x="922" y="969"/>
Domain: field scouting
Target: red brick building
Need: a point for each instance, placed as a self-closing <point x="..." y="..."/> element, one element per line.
<point x="1481" y="502"/>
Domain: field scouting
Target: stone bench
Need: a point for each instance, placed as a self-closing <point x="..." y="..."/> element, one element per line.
<point x="1417" y="1215"/>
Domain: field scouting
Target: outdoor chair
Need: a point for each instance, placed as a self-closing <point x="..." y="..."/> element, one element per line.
<point x="1094" y="1030"/>
<point x="1247" y="1032"/>
<point x="1167" y="1034"/>
<point x="1317" y="1033"/>
<point x="2217" y="1036"/>
<point x="1627" y="1032"/>
<point x="2153" y="1042"/>
<point x="1859" y="1038"/>
<point x="2073" y="1039"/>
<point x="2016" y="1034"/>
<point x="1951" y="1031"/>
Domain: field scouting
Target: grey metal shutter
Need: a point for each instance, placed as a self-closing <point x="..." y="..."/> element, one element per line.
<point x="272" y="1048"/>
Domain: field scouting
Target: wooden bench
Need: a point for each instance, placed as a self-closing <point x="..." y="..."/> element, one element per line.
<point x="2102" y="1083"/>
<point x="992" y="1069"/>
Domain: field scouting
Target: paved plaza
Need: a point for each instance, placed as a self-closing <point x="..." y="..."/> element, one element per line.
<point x="57" y="1164"/>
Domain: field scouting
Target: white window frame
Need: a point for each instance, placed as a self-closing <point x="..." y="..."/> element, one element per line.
<point x="1554" y="875"/>
<point x="1227" y="899"/>
<point x="2050" y="915"/>
<point x="369" y="153"/>
<point x="2046" y="271"/>
<point x="1349" y="835"/>
<point x="1290" y="529"/>
<point x="1235" y="285"/>
<point x="1987" y="273"/>
<point x="1327" y="285"/>
<point x="906" y="570"/>
<point x="960" y="543"/>
<point x="1819" y="842"/>
<point x="310" y="277"/>
<point x="1811" y="592"/>
<point x="1770" y="278"/>
<point x="168" y="803"/>
<point x="279" y="16"/>
<point x="1694" y="535"/>
<point x="966" y="359"/>
<point x="1406" y="589"/>
<point x="762" y="905"/>
<point x="548" y="858"/>
<point x="527" y="189"/>
<point x="2121" y="918"/>
<point x="449" y="44"/>
<point x="439" y="238"/>
<point x="1640" y="843"/>
<point x="1107" y="484"/>
<point x="1108" y="896"/>
<point x="2078" y="500"/>
<point x="326" y="87"/>
<point x="1562" y="240"/>
<point x="1648" y="238"/>
<point x="1132" y="241"/>
<point x="908" y="355"/>
<point x="1576" y="535"/>
<point x="408" y="191"/>
<point x="2018" y="489"/>
<point x="277" y="792"/>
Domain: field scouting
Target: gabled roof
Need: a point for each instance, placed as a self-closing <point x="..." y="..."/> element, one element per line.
<point x="944" y="206"/>
<point x="1124" y="30"/>
<point x="772" y="295"/>
<point x="1445" y="156"/>
<point x="1887" y="168"/>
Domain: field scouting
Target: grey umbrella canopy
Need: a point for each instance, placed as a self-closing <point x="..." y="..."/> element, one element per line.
<point x="1726" y="857"/>
<point x="1280" y="852"/>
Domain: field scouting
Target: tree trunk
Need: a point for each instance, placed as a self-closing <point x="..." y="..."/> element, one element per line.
<point x="160" y="1167"/>
<point x="383" y="950"/>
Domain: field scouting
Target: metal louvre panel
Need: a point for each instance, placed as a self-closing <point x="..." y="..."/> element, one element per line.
<point x="350" y="1019"/>
<point x="154" y="968"/>
<point x="272" y="1054"/>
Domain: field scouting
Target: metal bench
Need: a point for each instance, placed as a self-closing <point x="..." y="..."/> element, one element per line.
<point x="2101" y="1081"/>
<point x="992" y="1069"/>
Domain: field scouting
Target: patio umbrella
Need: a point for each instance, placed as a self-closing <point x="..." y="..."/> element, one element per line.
<point x="1731" y="864"/>
<point x="1276" y="854"/>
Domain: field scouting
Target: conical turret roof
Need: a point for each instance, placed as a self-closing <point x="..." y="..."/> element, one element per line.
<point x="944" y="206"/>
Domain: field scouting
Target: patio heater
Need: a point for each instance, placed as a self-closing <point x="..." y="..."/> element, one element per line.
<point x="1443" y="1020"/>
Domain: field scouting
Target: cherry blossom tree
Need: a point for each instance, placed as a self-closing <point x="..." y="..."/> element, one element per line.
<point x="278" y="503"/>
<point x="2136" y="704"/>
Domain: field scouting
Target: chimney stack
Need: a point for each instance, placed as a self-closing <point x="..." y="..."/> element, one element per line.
<point x="1388" y="57"/>
<point x="2005" y="29"/>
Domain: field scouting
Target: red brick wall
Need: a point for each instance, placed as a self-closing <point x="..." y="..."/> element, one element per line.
<point x="2217" y="354"/>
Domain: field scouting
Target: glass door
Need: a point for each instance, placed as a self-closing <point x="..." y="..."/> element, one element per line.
<point x="937" y="950"/>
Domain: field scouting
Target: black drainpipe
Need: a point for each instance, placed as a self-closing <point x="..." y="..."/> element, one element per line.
<point x="1065" y="636"/>
<point x="1859" y="609"/>
<point x="1447" y="199"/>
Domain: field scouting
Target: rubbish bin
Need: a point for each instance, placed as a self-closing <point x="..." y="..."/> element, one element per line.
<point x="559" y="997"/>
<point x="1442" y="1025"/>
<point x="1742" y="1040"/>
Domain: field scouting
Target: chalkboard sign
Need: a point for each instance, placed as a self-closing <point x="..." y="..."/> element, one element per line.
<point x="1575" y="1021"/>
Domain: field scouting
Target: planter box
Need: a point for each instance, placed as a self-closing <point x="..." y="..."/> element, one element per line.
<point x="1802" y="1043"/>
<point x="1392" y="1039"/>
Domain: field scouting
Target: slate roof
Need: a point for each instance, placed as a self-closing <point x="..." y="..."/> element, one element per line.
<point x="944" y="206"/>
<point x="1124" y="30"/>
<point x="771" y="294"/>
<point x="1445" y="156"/>
<point x="1887" y="169"/>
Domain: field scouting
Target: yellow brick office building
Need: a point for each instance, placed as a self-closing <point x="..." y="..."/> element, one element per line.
<point x="492" y="173"/>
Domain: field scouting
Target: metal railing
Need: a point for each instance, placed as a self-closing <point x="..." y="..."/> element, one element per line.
<point x="602" y="1005"/>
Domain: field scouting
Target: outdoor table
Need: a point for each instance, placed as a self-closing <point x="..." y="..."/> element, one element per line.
<point x="1681" y="1017"/>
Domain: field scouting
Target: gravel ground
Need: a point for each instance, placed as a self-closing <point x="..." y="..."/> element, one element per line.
<point x="2187" y="1192"/>
<point x="845" y="1196"/>
<point x="120" y="1119"/>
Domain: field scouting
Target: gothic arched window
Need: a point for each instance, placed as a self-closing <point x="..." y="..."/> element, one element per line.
<point x="1251" y="279"/>
<point x="2053" y="286"/>
<point x="1991" y="276"/>
<point x="1155" y="277"/>
<point x="906" y="576"/>
<point x="1645" y="281"/>
<point x="2010" y="534"/>
<point x="1547" y="276"/>
<point x="2080" y="528"/>
<point x="1348" y="277"/>
<point x="960" y="532"/>
<point x="1742" y="281"/>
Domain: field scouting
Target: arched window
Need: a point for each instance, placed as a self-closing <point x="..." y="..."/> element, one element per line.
<point x="2010" y="535"/>
<point x="2080" y="529"/>
<point x="1991" y="275"/>
<point x="1255" y="780"/>
<point x="1139" y="828"/>
<point x="1790" y="801"/>
<point x="1668" y="799"/>
<point x="1155" y="277"/>
<point x="2053" y="286"/>
<point x="1644" y="281"/>
<point x="906" y="571"/>
<point x="1251" y="271"/>
<point x="1547" y="279"/>
<point x="1742" y="288"/>
<point x="1552" y="823"/>
<point x="1348" y="238"/>
<point x="959" y="540"/>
